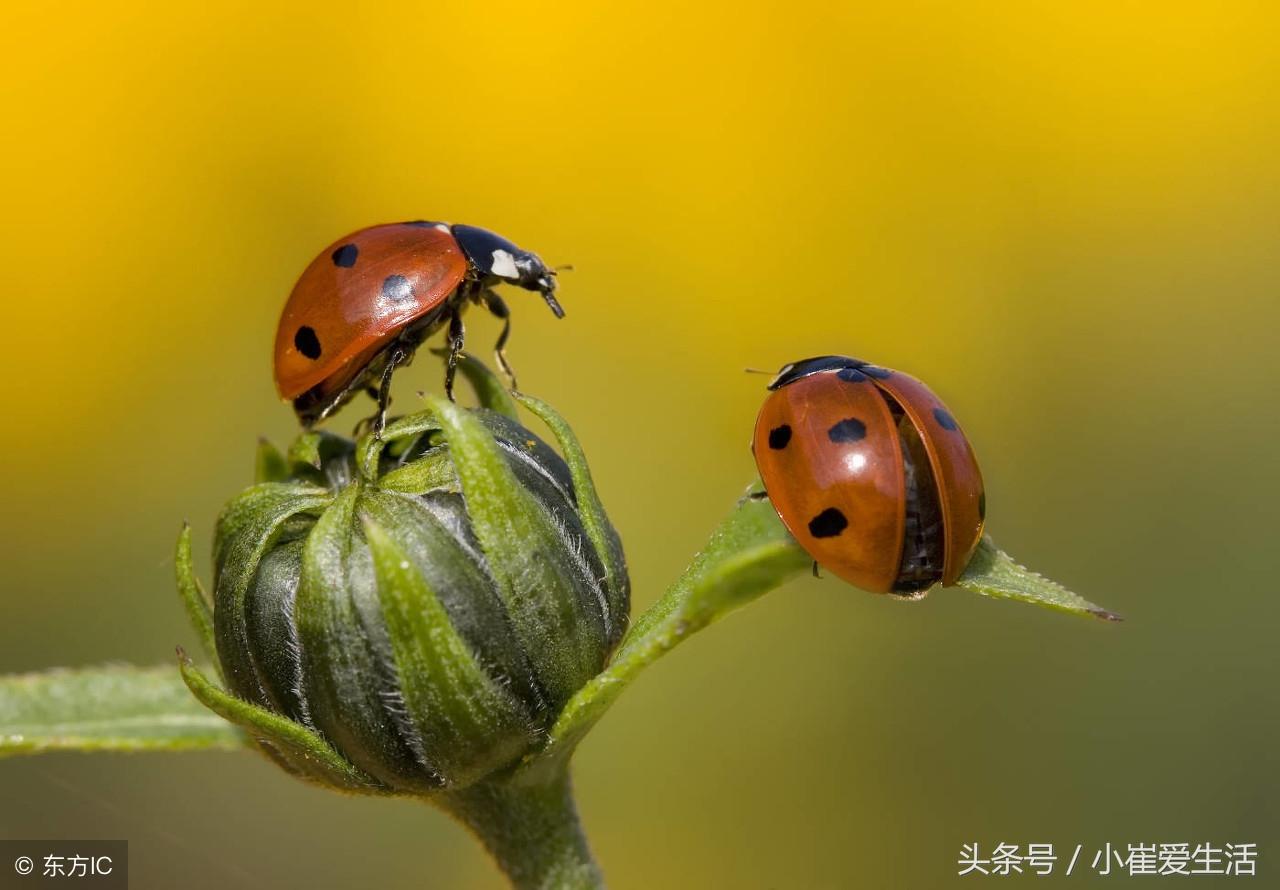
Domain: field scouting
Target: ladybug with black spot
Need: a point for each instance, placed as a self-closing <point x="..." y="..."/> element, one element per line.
<point x="871" y="474"/>
<point x="368" y="300"/>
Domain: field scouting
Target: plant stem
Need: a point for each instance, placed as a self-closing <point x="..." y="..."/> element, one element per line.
<point x="750" y="554"/>
<point x="530" y="827"/>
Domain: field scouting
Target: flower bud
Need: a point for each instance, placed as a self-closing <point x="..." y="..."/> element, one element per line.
<point x="409" y="614"/>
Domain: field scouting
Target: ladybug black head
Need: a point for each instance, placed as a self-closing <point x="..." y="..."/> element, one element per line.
<point x="493" y="255"/>
<point x="795" y="370"/>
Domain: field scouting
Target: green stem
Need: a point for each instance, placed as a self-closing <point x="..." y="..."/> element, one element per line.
<point x="530" y="826"/>
<point x="750" y="554"/>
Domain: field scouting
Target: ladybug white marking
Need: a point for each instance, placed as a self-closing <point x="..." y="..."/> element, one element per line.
<point x="504" y="264"/>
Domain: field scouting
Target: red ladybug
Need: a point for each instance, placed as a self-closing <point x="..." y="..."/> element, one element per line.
<point x="870" y="473"/>
<point x="367" y="301"/>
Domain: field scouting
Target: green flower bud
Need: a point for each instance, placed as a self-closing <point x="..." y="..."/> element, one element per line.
<point x="409" y="614"/>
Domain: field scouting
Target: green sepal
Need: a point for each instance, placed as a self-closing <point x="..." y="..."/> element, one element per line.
<point x="305" y="449"/>
<point x="421" y="476"/>
<point x="991" y="572"/>
<point x="316" y="455"/>
<point x="426" y="529"/>
<point x="370" y="448"/>
<point x="420" y="468"/>
<point x="604" y="538"/>
<point x="270" y="464"/>
<point x="194" y="600"/>
<point x="303" y="750"/>
<point x="563" y="634"/>
<point x="248" y="525"/>
<point x="490" y="391"/>
<point x="346" y="656"/>
<point x="469" y="725"/>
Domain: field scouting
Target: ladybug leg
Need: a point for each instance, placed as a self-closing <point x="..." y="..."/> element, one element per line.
<point x="365" y="424"/>
<point x="456" y="336"/>
<point x="816" y="573"/>
<point x="498" y="307"/>
<point x="395" y="357"/>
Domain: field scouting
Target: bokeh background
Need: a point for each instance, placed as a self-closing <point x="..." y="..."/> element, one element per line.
<point x="1062" y="216"/>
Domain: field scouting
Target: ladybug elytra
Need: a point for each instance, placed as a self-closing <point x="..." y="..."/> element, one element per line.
<point x="870" y="473"/>
<point x="368" y="300"/>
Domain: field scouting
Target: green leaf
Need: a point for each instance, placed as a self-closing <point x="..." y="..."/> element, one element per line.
<point x="750" y="554"/>
<point x="992" y="573"/>
<point x="109" y="708"/>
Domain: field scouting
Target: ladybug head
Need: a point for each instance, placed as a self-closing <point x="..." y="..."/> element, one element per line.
<point x="496" y="257"/>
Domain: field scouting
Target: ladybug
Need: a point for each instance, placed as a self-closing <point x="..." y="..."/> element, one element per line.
<point x="870" y="473"/>
<point x="368" y="300"/>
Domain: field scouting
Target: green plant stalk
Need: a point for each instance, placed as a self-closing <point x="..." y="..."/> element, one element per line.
<point x="748" y="555"/>
<point x="529" y="825"/>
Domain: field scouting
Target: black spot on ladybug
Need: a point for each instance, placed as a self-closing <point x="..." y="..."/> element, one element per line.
<point x="982" y="505"/>
<point x="779" y="436"/>
<point x="419" y="223"/>
<point x="851" y="429"/>
<point x="827" y="524"/>
<point x="345" y="256"/>
<point x="306" y="342"/>
<point x="851" y="375"/>
<point x="878" y="373"/>
<point x="945" y="420"/>
<point x="397" y="287"/>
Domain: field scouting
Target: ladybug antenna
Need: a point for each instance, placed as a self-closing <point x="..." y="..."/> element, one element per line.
<point x="758" y="371"/>
<point x="563" y="267"/>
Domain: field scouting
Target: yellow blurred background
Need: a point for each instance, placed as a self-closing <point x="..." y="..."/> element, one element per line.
<point x="1062" y="216"/>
